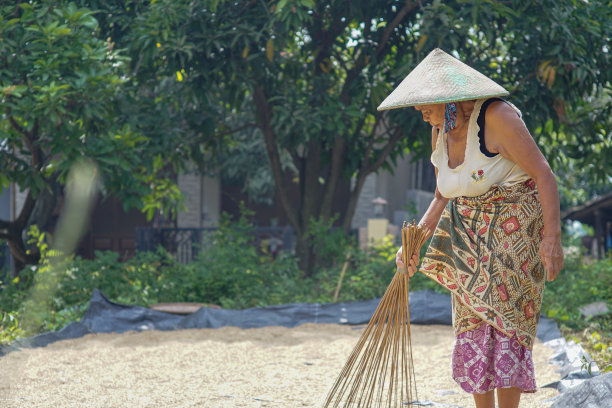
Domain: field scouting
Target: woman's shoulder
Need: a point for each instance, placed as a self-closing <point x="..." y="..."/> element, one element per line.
<point x="504" y="127"/>
<point x="501" y="110"/>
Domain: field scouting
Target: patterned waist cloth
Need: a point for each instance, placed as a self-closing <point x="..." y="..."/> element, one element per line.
<point x="484" y="359"/>
<point x="485" y="251"/>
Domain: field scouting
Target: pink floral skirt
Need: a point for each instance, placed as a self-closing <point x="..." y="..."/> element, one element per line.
<point x="484" y="359"/>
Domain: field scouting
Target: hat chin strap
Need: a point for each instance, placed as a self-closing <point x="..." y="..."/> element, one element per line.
<point x="450" y="116"/>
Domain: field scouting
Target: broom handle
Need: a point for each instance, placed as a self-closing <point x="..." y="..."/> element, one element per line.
<point x="337" y="292"/>
<point x="412" y="241"/>
<point x="404" y="250"/>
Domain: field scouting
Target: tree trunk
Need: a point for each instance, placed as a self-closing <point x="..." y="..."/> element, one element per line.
<point x="351" y="205"/>
<point x="44" y="207"/>
<point x="35" y="211"/>
<point x="21" y="257"/>
<point x="305" y="253"/>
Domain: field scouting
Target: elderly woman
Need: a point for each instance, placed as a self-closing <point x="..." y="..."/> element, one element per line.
<point x="495" y="224"/>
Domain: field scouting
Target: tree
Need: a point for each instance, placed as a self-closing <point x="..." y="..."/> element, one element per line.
<point x="308" y="76"/>
<point x="62" y="101"/>
<point x="555" y="59"/>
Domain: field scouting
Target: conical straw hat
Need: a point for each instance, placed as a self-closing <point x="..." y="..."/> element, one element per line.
<point x="441" y="78"/>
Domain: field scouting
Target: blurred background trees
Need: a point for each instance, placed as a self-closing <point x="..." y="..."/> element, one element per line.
<point x="282" y="94"/>
<point x="62" y="95"/>
<point x="301" y="80"/>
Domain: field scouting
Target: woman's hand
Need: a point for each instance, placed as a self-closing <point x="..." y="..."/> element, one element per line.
<point x="551" y="253"/>
<point x="412" y="266"/>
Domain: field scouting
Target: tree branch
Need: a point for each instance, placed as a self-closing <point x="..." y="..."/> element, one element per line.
<point x="360" y="64"/>
<point x="229" y="132"/>
<point x="335" y="170"/>
<point x="295" y="157"/>
<point x="310" y="182"/>
<point x="352" y="203"/>
<point x="359" y="126"/>
<point x="249" y="4"/>
<point x="372" y="139"/>
<point x="522" y="81"/>
<point x="26" y="211"/>
<point x="334" y="175"/>
<point x="263" y="118"/>
<point x="34" y="133"/>
<point x="364" y="172"/>
<point x="18" y="127"/>
<point x="20" y="253"/>
<point x="325" y="39"/>
<point x="408" y="6"/>
<point x="397" y="135"/>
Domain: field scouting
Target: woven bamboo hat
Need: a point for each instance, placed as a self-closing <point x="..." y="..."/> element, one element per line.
<point x="441" y="78"/>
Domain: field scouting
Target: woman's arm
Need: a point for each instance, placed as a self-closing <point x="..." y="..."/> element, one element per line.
<point x="430" y="218"/>
<point x="507" y="135"/>
<point x="434" y="211"/>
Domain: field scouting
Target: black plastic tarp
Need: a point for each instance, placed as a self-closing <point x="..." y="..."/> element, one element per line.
<point x="426" y="307"/>
<point x="104" y="316"/>
<point x="594" y="393"/>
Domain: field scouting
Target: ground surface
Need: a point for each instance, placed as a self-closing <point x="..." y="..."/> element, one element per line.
<point x="227" y="367"/>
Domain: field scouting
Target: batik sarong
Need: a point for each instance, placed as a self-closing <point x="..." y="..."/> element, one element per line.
<point x="485" y="359"/>
<point x="485" y="251"/>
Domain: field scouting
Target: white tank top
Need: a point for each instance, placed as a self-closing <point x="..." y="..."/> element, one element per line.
<point x="477" y="173"/>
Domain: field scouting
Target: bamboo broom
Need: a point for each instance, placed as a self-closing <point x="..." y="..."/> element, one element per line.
<point x="379" y="372"/>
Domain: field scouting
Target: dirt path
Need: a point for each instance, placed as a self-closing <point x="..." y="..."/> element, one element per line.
<point x="227" y="367"/>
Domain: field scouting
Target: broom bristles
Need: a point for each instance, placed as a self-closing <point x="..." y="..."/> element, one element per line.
<point x="379" y="371"/>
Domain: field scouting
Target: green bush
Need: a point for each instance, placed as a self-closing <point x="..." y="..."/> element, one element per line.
<point x="579" y="284"/>
<point x="330" y="244"/>
<point x="232" y="272"/>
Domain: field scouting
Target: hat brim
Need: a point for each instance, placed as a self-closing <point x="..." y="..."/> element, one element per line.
<point x="441" y="78"/>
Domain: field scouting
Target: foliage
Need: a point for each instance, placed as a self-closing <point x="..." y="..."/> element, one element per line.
<point x="330" y="245"/>
<point x="599" y="347"/>
<point x="230" y="271"/>
<point x="582" y="164"/>
<point x="233" y="273"/>
<point x="242" y="165"/>
<point x="65" y="96"/>
<point x="148" y="88"/>
<point x="579" y="284"/>
<point x="575" y="188"/>
<point x="304" y="78"/>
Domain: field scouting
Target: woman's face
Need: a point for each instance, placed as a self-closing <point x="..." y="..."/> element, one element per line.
<point x="434" y="114"/>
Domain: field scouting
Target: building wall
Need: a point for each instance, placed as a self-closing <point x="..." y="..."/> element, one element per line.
<point x="5" y="204"/>
<point x="111" y="228"/>
<point x="408" y="191"/>
<point x="365" y="208"/>
<point x="20" y="197"/>
<point x="202" y="199"/>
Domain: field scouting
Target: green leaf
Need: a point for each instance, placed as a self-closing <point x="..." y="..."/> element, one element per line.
<point x="62" y="31"/>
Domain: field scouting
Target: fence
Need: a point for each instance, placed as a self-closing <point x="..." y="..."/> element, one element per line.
<point x="186" y="243"/>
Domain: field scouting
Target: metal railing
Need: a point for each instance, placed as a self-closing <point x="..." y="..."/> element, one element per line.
<point x="186" y="243"/>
